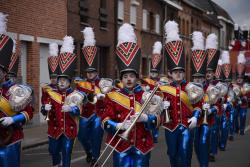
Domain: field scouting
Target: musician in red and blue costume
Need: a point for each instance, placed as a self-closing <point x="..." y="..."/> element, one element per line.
<point x="242" y="99"/>
<point x="90" y="131"/>
<point x="183" y="117"/>
<point x="12" y="116"/>
<point x="63" y="118"/>
<point x="213" y="55"/>
<point x="128" y="101"/>
<point x="227" y="102"/>
<point x="53" y="67"/>
<point x="198" y="88"/>
<point x="149" y="82"/>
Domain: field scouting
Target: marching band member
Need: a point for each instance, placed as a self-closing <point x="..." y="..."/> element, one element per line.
<point x="13" y="66"/>
<point x="63" y="114"/>
<point x="53" y="66"/>
<point x="127" y="102"/>
<point x="227" y="106"/>
<point x="90" y="133"/>
<point x="149" y="82"/>
<point x="213" y="55"/>
<point x="242" y="102"/>
<point x="15" y="107"/>
<point x="182" y="115"/>
<point x="202" y="131"/>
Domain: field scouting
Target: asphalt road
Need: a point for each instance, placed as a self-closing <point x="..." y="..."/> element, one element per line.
<point x="236" y="155"/>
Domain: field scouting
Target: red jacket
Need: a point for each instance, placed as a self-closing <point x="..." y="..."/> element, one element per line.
<point x="89" y="109"/>
<point x="17" y="134"/>
<point x="60" y="122"/>
<point x="118" y="106"/>
<point x="180" y="109"/>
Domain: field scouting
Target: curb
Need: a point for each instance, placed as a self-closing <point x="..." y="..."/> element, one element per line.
<point x="39" y="143"/>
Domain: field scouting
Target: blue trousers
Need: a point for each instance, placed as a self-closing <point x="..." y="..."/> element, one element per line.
<point x="179" y="148"/>
<point x="231" y="122"/>
<point x="201" y="144"/>
<point x="131" y="158"/>
<point x="10" y="155"/>
<point x="214" y="136"/>
<point x="62" y="145"/>
<point x="240" y="112"/>
<point x="90" y="135"/>
<point x="224" y="128"/>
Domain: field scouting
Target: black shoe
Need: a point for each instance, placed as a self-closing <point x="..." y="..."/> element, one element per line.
<point x="231" y="138"/>
<point x="222" y="149"/>
<point x="89" y="158"/>
<point x="93" y="161"/>
<point x="211" y="158"/>
<point x="242" y="133"/>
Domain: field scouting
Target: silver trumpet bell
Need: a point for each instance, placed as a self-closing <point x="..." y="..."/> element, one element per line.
<point x="75" y="99"/>
<point x="223" y="88"/>
<point x="195" y="92"/>
<point x="246" y="88"/>
<point x="106" y="85"/>
<point x="213" y="93"/>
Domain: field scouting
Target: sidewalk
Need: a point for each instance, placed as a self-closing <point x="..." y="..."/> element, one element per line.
<point x="35" y="136"/>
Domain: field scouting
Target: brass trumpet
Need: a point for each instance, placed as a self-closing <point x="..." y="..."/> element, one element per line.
<point x="205" y="117"/>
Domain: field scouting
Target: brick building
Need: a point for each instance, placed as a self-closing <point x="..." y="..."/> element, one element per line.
<point x="29" y="25"/>
<point x="35" y="24"/>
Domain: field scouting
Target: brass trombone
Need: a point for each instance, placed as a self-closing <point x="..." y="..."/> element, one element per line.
<point x="125" y="134"/>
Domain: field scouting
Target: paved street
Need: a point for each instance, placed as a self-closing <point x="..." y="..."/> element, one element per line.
<point x="237" y="154"/>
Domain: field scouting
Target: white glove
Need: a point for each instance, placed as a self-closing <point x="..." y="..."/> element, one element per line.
<point x="142" y="118"/>
<point x="100" y="96"/>
<point x="165" y="105"/>
<point x="224" y="106"/>
<point x="145" y="96"/>
<point x="192" y="122"/>
<point x="147" y="88"/>
<point x="124" y="126"/>
<point x="209" y="111"/>
<point x="66" y="108"/>
<point x="47" y="107"/>
<point x="6" y="121"/>
<point x="239" y="102"/>
<point x="205" y="106"/>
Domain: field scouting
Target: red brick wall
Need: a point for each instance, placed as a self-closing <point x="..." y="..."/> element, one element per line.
<point x="43" y="18"/>
<point x="103" y="37"/>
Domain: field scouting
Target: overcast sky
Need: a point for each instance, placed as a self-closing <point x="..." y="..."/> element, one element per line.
<point x="238" y="9"/>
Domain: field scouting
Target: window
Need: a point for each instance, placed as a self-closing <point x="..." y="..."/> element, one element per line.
<point x="120" y="10"/>
<point x="145" y="20"/>
<point x="133" y="15"/>
<point x="157" y="24"/>
<point x="83" y="11"/>
<point x="151" y="21"/>
<point x="103" y="14"/>
<point x="103" y="4"/>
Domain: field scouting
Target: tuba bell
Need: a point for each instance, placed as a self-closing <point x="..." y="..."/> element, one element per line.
<point x="106" y="85"/>
<point x="246" y="88"/>
<point x="213" y="93"/>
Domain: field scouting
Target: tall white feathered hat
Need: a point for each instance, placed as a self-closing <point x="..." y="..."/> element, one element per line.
<point x="241" y="65"/>
<point x="213" y="54"/>
<point x="67" y="58"/>
<point x="6" y="44"/>
<point x="128" y="52"/>
<point x="156" y="57"/>
<point x="53" y="60"/>
<point x="174" y="47"/>
<point x="227" y="67"/>
<point x="199" y="56"/>
<point x="89" y="50"/>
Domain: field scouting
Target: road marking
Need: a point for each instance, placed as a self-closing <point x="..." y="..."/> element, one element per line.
<point x="247" y="128"/>
<point x="78" y="159"/>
